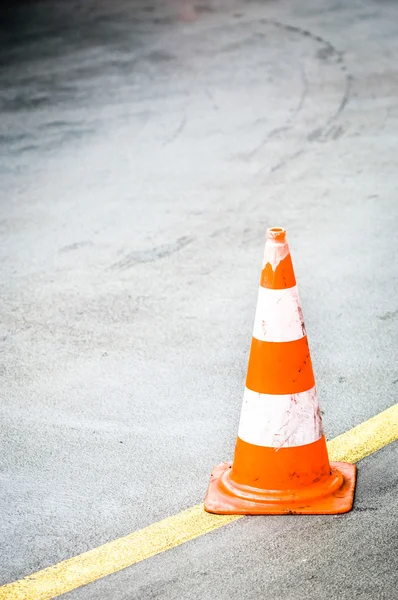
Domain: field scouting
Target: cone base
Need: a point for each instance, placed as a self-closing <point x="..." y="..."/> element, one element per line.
<point x="333" y="496"/>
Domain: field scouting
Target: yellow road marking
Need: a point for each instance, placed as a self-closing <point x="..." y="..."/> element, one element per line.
<point x="366" y="438"/>
<point x="80" y="570"/>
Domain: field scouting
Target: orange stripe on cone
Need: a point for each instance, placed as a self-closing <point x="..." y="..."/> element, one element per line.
<point x="281" y="466"/>
<point x="263" y="467"/>
<point x="280" y="367"/>
<point x="280" y="278"/>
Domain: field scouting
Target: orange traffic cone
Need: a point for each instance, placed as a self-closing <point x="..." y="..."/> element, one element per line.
<point x="281" y="462"/>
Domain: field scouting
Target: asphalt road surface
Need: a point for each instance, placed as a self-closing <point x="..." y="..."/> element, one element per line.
<point x="145" y="148"/>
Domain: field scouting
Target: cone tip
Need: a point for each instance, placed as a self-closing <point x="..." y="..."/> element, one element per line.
<point x="277" y="234"/>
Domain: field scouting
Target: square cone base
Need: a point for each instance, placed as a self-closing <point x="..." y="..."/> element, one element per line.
<point x="222" y="499"/>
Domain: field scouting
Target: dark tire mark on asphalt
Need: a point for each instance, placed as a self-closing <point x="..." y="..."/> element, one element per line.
<point x="151" y="255"/>
<point x="331" y="50"/>
<point x="388" y="315"/>
<point x="290" y="120"/>
<point x="176" y="133"/>
<point x="75" y="246"/>
<point x="286" y="160"/>
<point x="327" y="52"/>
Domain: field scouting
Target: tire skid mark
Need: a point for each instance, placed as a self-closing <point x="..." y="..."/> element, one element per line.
<point x="290" y="121"/>
<point x="152" y="255"/>
<point x="325" y="131"/>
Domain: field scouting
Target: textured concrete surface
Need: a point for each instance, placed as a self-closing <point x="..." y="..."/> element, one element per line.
<point x="145" y="147"/>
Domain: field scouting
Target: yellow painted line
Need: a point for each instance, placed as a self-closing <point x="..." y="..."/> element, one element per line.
<point x="366" y="438"/>
<point x="80" y="570"/>
<point x="114" y="556"/>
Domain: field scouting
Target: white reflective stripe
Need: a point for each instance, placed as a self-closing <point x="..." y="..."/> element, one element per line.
<point x="279" y="317"/>
<point x="280" y="421"/>
<point x="274" y="253"/>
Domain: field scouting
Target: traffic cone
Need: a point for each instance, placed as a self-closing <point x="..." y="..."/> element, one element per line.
<point x="281" y="463"/>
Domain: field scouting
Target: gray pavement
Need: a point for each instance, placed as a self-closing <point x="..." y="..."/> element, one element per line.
<point x="145" y="147"/>
<point x="278" y="558"/>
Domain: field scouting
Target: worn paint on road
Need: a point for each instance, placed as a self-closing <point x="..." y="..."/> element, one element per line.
<point x="352" y="446"/>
